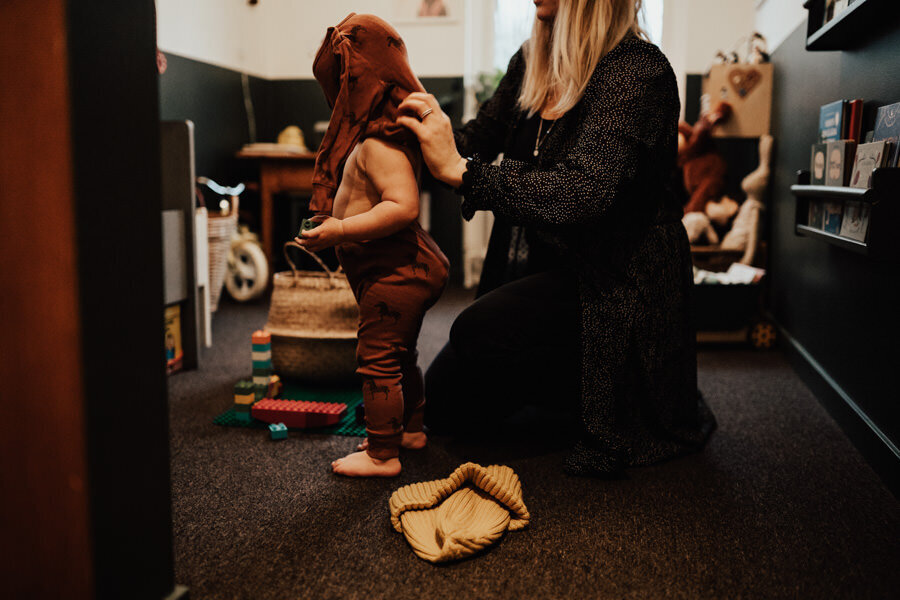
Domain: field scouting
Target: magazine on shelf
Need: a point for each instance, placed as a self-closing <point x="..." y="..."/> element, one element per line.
<point x="855" y="220"/>
<point x="868" y="158"/>
<point x="838" y="158"/>
<point x="817" y="164"/>
<point x="832" y="219"/>
<point x="816" y="218"/>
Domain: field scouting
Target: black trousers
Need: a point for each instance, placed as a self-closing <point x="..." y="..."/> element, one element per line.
<point x="517" y="345"/>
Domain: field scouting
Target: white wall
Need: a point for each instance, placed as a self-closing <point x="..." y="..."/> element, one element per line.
<point x="219" y="32"/>
<point x="693" y="30"/>
<point x="278" y="39"/>
<point x="777" y="19"/>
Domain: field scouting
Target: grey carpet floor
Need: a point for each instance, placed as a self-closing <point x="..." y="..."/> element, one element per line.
<point x="779" y="505"/>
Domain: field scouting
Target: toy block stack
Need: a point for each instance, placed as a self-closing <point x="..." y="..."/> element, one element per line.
<point x="262" y="363"/>
<point x="244" y="399"/>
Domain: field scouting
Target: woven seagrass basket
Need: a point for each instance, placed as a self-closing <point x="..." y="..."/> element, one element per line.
<point x="313" y="318"/>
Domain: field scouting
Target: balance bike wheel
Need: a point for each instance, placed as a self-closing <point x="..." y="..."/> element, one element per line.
<point x="248" y="272"/>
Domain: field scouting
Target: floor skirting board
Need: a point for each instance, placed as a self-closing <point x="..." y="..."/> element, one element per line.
<point x="877" y="448"/>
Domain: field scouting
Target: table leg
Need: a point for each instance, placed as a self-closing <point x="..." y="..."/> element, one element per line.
<point x="265" y="193"/>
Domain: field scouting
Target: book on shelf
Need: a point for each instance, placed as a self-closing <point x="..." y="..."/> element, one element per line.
<point x="868" y="158"/>
<point x="816" y="217"/>
<point x="887" y="128"/>
<point x="174" y="350"/>
<point x="855" y="220"/>
<point x="832" y="217"/>
<point x="832" y="117"/>
<point x="817" y="164"/>
<point x="854" y="121"/>
<point x="839" y="158"/>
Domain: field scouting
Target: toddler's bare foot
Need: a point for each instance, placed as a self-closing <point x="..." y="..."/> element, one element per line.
<point x="411" y="441"/>
<point x="360" y="464"/>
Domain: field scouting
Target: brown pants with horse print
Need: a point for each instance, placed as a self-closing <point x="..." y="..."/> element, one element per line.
<point x="395" y="279"/>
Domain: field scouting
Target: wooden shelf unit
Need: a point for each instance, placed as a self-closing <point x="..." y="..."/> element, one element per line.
<point x="882" y="239"/>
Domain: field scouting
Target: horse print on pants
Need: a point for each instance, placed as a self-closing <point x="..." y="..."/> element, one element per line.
<point x="373" y="389"/>
<point x="385" y="312"/>
<point x="421" y="265"/>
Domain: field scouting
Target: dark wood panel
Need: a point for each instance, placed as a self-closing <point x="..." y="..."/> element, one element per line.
<point x="116" y="153"/>
<point x="43" y="507"/>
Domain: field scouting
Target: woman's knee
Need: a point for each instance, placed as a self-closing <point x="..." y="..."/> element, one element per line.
<point x="472" y="331"/>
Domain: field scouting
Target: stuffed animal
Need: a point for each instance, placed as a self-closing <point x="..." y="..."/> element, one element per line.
<point x="720" y="212"/>
<point x="744" y="231"/>
<point x="759" y="49"/>
<point x="703" y="168"/>
<point x="699" y="228"/>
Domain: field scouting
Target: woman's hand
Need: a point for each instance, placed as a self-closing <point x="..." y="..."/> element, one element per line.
<point x="435" y="135"/>
<point x="330" y="232"/>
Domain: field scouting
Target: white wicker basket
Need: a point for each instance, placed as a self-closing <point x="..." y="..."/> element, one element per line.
<point x="221" y="228"/>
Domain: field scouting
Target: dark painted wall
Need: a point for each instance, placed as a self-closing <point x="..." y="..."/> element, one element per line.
<point x="212" y="97"/>
<point x="836" y="304"/>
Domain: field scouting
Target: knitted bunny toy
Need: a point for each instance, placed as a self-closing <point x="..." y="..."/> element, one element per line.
<point x="744" y="231"/>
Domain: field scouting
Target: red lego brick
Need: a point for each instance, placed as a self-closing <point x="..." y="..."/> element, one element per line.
<point x="299" y="413"/>
<point x="261" y="336"/>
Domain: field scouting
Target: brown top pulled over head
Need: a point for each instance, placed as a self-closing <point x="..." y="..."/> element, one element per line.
<point x="364" y="70"/>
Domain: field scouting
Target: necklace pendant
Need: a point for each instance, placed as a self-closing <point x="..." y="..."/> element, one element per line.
<point x="535" y="151"/>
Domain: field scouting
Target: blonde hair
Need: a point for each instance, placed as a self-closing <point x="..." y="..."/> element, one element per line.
<point x="561" y="56"/>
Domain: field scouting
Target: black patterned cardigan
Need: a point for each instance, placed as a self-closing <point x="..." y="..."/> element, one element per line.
<point x="598" y="195"/>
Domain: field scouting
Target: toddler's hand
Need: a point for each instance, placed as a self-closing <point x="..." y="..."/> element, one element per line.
<point x="330" y="232"/>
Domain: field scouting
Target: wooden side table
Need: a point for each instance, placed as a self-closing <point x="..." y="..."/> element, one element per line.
<point x="279" y="171"/>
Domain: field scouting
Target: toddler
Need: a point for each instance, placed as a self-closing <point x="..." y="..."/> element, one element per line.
<point x="367" y="197"/>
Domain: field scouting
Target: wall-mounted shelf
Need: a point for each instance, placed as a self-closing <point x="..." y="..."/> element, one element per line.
<point x="851" y="28"/>
<point x="882" y="240"/>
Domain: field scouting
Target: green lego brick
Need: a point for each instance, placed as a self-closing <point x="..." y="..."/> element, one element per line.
<point x="262" y="372"/>
<point x="262" y="364"/>
<point x="278" y="431"/>
<point x="243" y="417"/>
<point x="243" y="387"/>
<point x="262" y="347"/>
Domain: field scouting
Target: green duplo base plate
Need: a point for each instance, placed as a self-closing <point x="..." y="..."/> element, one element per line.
<point x="348" y="426"/>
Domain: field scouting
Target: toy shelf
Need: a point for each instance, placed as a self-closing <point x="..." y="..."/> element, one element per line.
<point x="846" y="30"/>
<point x="884" y="217"/>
